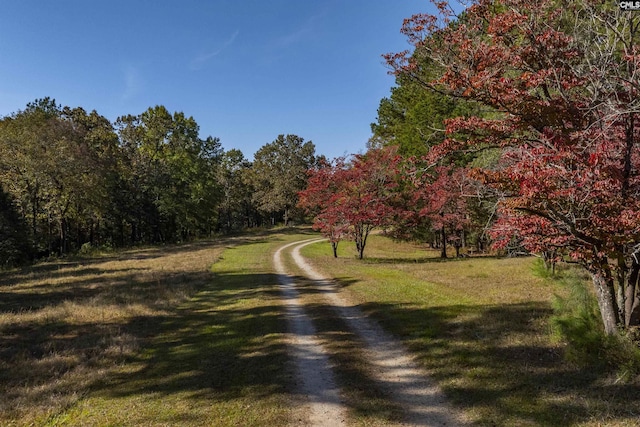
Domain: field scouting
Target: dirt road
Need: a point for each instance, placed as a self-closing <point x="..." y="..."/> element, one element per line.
<point x="315" y="377"/>
<point x="393" y="369"/>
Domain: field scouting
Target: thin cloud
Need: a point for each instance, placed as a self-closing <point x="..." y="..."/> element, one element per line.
<point x="132" y="82"/>
<point x="301" y="33"/>
<point x="293" y="38"/>
<point x="201" y="59"/>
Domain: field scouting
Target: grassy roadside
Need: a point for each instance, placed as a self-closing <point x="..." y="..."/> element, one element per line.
<point x="193" y="335"/>
<point x="481" y="327"/>
<point x="147" y="337"/>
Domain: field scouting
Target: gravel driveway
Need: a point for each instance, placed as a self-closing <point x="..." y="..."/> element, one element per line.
<point x="392" y="367"/>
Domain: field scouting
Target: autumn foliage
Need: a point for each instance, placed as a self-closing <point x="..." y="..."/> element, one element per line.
<point x="350" y="199"/>
<point x="560" y="83"/>
<point x="444" y="203"/>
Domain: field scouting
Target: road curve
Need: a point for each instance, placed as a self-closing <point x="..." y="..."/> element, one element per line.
<point x="391" y="366"/>
<point x="316" y="380"/>
<point x="395" y="370"/>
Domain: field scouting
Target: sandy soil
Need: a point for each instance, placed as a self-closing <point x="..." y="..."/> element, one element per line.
<point x="390" y="364"/>
<point x="316" y="382"/>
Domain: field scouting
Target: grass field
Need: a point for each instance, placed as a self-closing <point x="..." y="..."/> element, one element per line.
<point x="194" y="335"/>
<point x="481" y="327"/>
<point x="146" y="337"/>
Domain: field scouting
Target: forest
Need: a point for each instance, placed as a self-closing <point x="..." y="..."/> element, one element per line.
<point x="512" y="126"/>
<point x="73" y="180"/>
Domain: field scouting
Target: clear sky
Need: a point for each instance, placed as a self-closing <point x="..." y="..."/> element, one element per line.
<point x="246" y="70"/>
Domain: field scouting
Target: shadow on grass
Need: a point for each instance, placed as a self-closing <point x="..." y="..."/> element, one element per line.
<point x="226" y="342"/>
<point x="213" y="346"/>
<point x="218" y="336"/>
<point x="61" y="268"/>
<point x="491" y="360"/>
<point x="421" y="260"/>
<point x="86" y="284"/>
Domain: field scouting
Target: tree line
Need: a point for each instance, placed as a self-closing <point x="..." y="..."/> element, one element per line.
<point x="512" y="121"/>
<point x="70" y="179"/>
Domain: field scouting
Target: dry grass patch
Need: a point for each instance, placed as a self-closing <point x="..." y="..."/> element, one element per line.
<point x="146" y="337"/>
<point x="67" y="326"/>
<point x="481" y="327"/>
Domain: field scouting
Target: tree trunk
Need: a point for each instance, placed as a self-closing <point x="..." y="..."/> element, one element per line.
<point x="443" y="251"/>
<point x="63" y="236"/>
<point x="632" y="299"/>
<point x="605" y="294"/>
<point x="334" y="246"/>
<point x="34" y="217"/>
<point x="134" y="232"/>
<point x="50" y="235"/>
<point x="362" y="232"/>
<point x="621" y="277"/>
<point x="359" y="246"/>
<point x="549" y="259"/>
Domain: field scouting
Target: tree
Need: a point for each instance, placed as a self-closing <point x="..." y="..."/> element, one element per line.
<point x="562" y="78"/>
<point x="22" y="140"/>
<point x="431" y="203"/>
<point x="444" y="204"/>
<point x="170" y="173"/>
<point x="321" y="199"/>
<point x="353" y="198"/>
<point x="54" y="163"/>
<point x="412" y="118"/>
<point x="279" y="172"/>
<point x="75" y="180"/>
<point x="236" y="207"/>
<point x="97" y="150"/>
<point x="14" y="236"/>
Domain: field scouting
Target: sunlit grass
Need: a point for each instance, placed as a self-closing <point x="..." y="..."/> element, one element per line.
<point x="147" y="337"/>
<point x="66" y="326"/>
<point x="194" y="335"/>
<point x="481" y="327"/>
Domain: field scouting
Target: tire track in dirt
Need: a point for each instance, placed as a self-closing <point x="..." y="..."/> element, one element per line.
<point x="316" y="379"/>
<point x="392" y="367"/>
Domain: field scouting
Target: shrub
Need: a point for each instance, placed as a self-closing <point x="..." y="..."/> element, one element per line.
<point x="577" y="322"/>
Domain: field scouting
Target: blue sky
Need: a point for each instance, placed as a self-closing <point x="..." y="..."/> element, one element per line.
<point x="246" y="70"/>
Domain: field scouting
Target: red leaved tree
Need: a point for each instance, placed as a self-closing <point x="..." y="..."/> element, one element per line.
<point x="352" y="199"/>
<point x="320" y="198"/>
<point x="562" y="82"/>
<point x="432" y="198"/>
<point x="445" y="205"/>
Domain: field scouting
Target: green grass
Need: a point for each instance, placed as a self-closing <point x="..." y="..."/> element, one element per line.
<point x="147" y="337"/>
<point x="481" y="327"/>
<point x="194" y="335"/>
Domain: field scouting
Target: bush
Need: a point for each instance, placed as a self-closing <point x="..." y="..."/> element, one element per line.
<point x="86" y="249"/>
<point x="89" y="250"/>
<point x="577" y="322"/>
